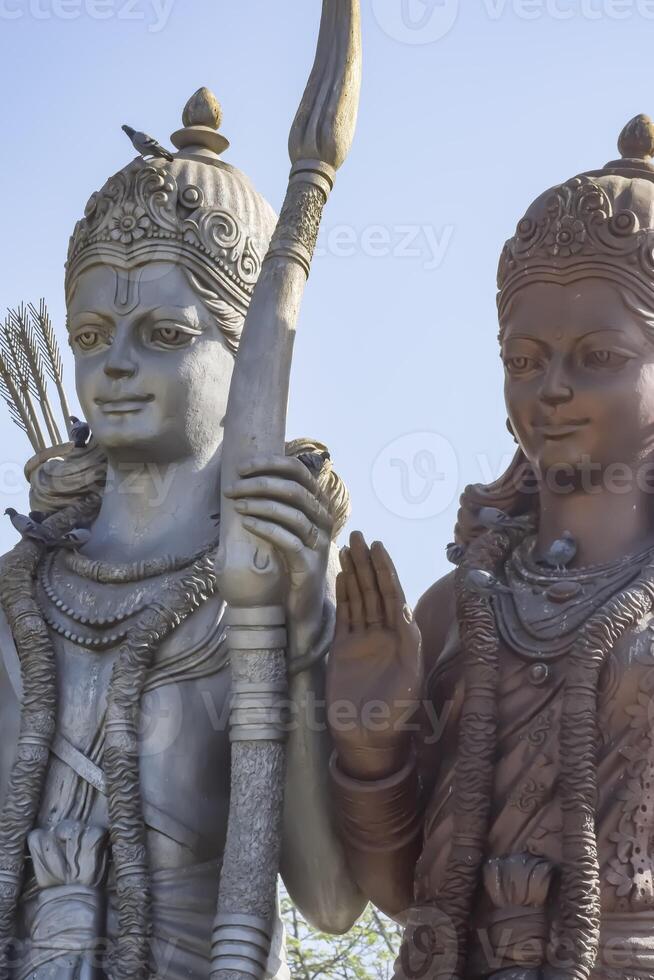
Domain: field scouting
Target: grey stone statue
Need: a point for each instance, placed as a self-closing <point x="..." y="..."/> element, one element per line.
<point x="117" y="664"/>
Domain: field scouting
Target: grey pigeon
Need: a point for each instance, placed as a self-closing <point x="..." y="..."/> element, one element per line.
<point x="493" y="517"/>
<point x="146" y="145"/>
<point x="38" y="516"/>
<point x="561" y="552"/>
<point x="455" y="553"/>
<point x="314" y="462"/>
<point x="485" y="584"/>
<point x="28" y="528"/>
<point x="75" y="539"/>
<point x="80" y="432"/>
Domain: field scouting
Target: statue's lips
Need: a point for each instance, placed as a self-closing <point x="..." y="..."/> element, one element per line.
<point x="560" y="430"/>
<point x="123" y="406"/>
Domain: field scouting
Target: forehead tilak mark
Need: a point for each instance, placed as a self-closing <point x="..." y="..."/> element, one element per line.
<point x="126" y="292"/>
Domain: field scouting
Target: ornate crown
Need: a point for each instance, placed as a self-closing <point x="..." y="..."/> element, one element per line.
<point x="195" y="209"/>
<point x="599" y="223"/>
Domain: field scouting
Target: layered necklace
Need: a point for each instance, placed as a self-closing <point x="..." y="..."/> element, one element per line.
<point x="94" y="603"/>
<point x="546" y="609"/>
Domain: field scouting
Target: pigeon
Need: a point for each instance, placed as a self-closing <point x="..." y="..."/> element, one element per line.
<point x="80" y="432"/>
<point x="561" y="552"/>
<point x="75" y="539"/>
<point x="314" y="462"/>
<point x="493" y="517"/>
<point x="485" y="584"/>
<point x="455" y="553"/>
<point x="28" y="528"/>
<point x="146" y="145"/>
<point x="38" y="516"/>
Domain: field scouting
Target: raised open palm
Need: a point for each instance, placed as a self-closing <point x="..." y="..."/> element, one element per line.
<point x="375" y="672"/>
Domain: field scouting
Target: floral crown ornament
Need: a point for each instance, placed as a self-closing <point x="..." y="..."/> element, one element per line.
<point x="196" y="210"/>
<point x="597" y="224"/>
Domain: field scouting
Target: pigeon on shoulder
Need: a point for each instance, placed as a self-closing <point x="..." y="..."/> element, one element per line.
<point x="495" y="519"/>
<point x="80" y="432"/>
<point x="561" y="552"/>
<point x="455" y="553"/>
<point x="485" y="584"/>
<point x="75" y="539"/>
<point x="30" y="529"/>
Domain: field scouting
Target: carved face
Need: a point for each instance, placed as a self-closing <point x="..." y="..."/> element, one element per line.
<point x="579" y="376"/>
<point x="152" y="368"/>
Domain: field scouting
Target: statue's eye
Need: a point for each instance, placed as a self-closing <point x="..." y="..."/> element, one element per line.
<point x="519" y="364"/>
<point x="89" y="339"/>
<point x="605" y="359"/>
<point x="171" y="336"/>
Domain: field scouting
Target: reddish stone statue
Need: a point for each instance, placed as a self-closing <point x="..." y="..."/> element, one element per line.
<point x="505" y="810"/>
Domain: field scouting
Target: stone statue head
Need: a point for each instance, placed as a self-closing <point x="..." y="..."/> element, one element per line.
<point x="160" y="273"/>
<point x="576" y="311"/>
<point x="159" y="277"/>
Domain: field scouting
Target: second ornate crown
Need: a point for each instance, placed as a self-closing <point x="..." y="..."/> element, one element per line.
<point x="600" y="223"/>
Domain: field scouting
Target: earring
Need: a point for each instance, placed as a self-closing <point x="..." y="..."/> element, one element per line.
<point x="510" y="430"/>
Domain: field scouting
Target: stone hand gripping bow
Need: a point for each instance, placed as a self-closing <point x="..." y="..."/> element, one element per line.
<point x="248" y="573"/>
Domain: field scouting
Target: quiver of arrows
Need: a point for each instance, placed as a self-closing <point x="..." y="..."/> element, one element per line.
<point x="30" y="365"/>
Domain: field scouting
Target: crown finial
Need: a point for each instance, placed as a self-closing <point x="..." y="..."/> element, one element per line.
<point x="203" y="109"/>
<point x="637" y="139"/>
<point x="202" y="116"/>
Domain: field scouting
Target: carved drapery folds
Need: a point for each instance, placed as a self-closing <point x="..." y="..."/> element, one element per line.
<point x="66" y="917"/>
<point x="518" y="886"/>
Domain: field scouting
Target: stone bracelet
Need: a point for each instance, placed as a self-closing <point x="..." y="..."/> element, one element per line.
<point x="379" y="815"/>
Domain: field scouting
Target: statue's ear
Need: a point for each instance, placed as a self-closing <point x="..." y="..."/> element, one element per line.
<point x="334" y="492"/>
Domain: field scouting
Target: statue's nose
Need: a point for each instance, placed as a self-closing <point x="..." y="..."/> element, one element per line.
<point x="556" y="389"/>
<point x="119" y="362"/>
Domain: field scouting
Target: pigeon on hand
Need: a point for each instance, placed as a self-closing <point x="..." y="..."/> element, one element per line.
<point x="29" y="528"/>
<point x="146" y="145"/>
<point x="38" y="516"/>
<point x="75" y="539"/>
<point x="455" y="553"/>
<point x="80" y="432"/>
<point x="494" y="518"/>
<point x="485" y="584"/>
<point x="561" y="552"/>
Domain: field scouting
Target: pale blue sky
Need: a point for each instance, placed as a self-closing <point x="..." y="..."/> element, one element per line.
<point x="468" y="112"/>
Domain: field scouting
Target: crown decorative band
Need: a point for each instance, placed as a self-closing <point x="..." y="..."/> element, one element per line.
<point x="579" y="234"/>
<point x="144" y="210"/>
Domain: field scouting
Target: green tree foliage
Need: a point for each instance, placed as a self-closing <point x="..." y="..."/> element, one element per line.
<point x="367" y="952"/>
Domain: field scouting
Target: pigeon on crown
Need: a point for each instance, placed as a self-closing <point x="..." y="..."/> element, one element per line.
<point x="194" y="209"/>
